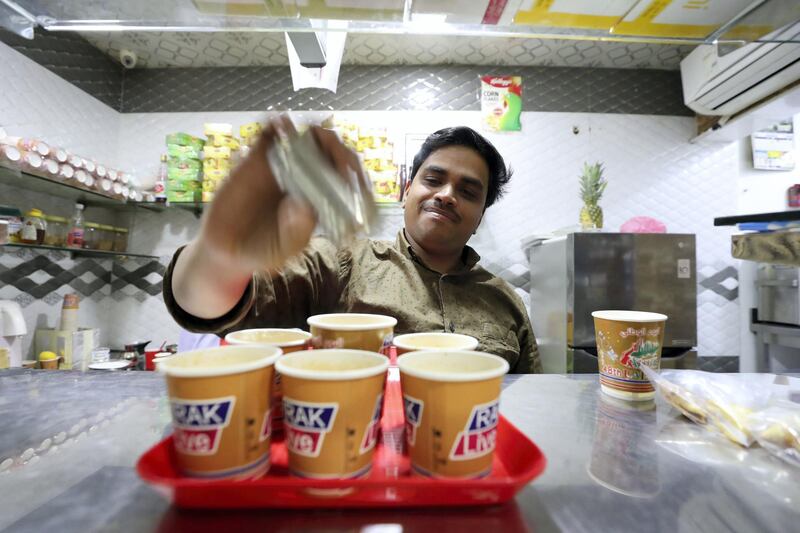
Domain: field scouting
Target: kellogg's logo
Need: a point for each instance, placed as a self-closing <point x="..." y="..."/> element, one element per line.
<point x="371" y="435"/>
<point x="306" y="424"/>
<point x="480" y="434"/>
<point x="413" y="409"/>
<point x="198" y="424"/>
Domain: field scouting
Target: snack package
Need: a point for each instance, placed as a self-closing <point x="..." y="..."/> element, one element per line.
<point x="175" y="151"/>
<point x="724" y="402"/>
<point x="217" y="152"/>
<point x="184" y="164"/>
<point x="184" y="139"/>
<point x="777" y="429"/>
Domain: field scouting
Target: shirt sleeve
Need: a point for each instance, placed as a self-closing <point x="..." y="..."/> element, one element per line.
<point x="529" y="361"/>
<point x="308" y="284"/>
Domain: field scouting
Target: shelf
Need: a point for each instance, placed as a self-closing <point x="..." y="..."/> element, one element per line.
<point x="194" y="207"/>
<point x="77" y="251"/>
<point x="34" y="182"/>
<point x="778" y="216"/>
<point x="731" y="22"/>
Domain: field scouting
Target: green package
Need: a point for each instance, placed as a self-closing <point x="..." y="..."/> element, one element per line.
<point x="183" y="152"/>
<point x="184" y="196"/>
<point x="184" y="164"/>
<point x="184" y="139"/>
<point x="185" y="174"/>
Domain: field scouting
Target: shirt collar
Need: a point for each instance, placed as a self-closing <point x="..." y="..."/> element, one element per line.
<point x="469" y="256"/>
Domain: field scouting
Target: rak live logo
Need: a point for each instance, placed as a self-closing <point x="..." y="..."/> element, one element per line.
<point x="266" y="426"/>
<point x="306" y="425"/>
<point x="480" y="434"/>
<point x="198" y="424"/>
<point x="373" y="428"/>
<point x="413" y="409"/>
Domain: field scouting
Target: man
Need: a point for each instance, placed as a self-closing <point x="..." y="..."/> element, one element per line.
<point x="254" y="263"/>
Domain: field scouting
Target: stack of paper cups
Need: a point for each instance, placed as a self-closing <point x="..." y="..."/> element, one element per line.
<point x="69" y="313"/>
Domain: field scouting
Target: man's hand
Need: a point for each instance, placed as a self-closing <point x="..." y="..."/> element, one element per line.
<point x="250" y="226"/>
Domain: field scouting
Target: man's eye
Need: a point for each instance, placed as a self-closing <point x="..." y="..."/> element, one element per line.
<point x="431" y="180"/>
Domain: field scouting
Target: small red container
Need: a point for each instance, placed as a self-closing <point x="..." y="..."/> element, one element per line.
<point x="390" y="483"/>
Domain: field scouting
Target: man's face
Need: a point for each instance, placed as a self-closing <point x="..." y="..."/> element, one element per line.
<point x="445" y="201"/>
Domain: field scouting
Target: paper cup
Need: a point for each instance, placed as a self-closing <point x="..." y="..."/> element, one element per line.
<point x="625" y="340"/>
<point x="288" y="340"/>
<point x="433" y="341"/>
<point x="332" y="403"/>
<point x="357" y="331"/>
<point x="451" y="401"/>
<point x="220" y="402"/>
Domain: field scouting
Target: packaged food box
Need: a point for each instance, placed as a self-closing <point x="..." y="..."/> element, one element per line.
<point x="207" y="196"/>
<point x="182" y="152"/>
<point x="223" y="140"/>
<point x="216" y="152"/>
<point x="183" y="174"/>
<point x="216" y="164"/>
<point x="251" y="129"/>
<point x="215" y="175"/>
<point x="211" y="185"/>
<point x="183" y="196"/>
<point x="184" y="139"/>
<point x="184" y="164"/>
<point x="183" y="185"/>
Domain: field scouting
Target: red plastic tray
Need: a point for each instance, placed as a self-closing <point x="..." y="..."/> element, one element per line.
<point x="390" y="483"/>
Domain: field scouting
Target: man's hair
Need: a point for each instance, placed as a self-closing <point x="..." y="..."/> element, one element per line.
<point x="499" y="174"/>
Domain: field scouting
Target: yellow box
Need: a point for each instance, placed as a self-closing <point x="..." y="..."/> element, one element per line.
<point x="250" y="129"/>
<point x="212" y="128"/>
<point x="216" y="152"/>
<point x="215" y="175"/>
<point x="74" y="346"/>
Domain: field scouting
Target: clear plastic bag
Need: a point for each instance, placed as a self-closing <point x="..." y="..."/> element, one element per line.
<point x="344" y="208"/>
<point x="777" y="429"/>
<point x="724" y="402"/>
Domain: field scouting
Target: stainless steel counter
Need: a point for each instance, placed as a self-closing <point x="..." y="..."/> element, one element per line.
<point x="69" y="441"/>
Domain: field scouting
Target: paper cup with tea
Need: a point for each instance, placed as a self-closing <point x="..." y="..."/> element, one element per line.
<point x="434" y="340"/>
<point x="220" y="403"/>
<point x="451" y="401"/>
<point x="357" y="331"/>
<point x="332" y="402"/>
<point x="288" y="340"/>
<point x="625" y="341"/>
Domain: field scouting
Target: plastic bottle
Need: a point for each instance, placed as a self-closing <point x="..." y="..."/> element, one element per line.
<point x="75" y="235"/>
<point x="160" y="188"/>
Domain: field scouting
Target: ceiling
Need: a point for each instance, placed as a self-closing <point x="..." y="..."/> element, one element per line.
<point x="229" y="49"/>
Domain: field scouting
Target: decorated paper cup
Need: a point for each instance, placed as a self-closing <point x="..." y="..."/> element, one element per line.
<point x="220" y="403"/>
<point x="451" y="401"/>
<point x="626" y="340"/>
<point x="288" y="340"/>
<point x="332" y="403"/>
<point x="357" y="331"/>
<point x="435" y="340"/>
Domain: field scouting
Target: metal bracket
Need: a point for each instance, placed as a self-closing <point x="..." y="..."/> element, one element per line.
<point x="309" y="48"/>
<point x="16" y="19"/>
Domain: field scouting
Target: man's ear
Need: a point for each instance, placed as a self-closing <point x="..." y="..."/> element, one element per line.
<point x="405" y="193"/>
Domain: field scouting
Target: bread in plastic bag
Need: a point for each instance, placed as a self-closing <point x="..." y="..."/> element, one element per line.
<point x="720" y="401"/>
<point x="777" y="429"/>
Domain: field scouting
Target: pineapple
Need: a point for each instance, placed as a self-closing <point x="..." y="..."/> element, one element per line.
<point x="592" y="186"/>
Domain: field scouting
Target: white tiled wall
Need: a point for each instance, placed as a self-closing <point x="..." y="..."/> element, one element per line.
<point x="35" y="102"/>
<point x="651" y="167"/>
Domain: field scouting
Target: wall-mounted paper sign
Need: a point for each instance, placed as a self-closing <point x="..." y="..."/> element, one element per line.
<point x="774" y="149"/>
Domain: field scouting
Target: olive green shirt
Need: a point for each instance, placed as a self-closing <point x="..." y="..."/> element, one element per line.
<point x="384" y="278"/>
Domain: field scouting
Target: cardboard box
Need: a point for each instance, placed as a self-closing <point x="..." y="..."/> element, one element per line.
<point x="74" y="346"/>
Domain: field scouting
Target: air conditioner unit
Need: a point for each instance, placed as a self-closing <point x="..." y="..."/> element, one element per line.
<point x="715" y="84"/>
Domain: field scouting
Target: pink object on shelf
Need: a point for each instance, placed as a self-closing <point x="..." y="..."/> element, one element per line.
<point x="643" y="225"/>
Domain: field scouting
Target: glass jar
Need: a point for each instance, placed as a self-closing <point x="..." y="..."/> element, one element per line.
<point x="120" y="239"/>
<point x="56" y="231"/>
<point x="33" y="227"/>
<point x="91" y="236"/>
<point x="106" y="240"/>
